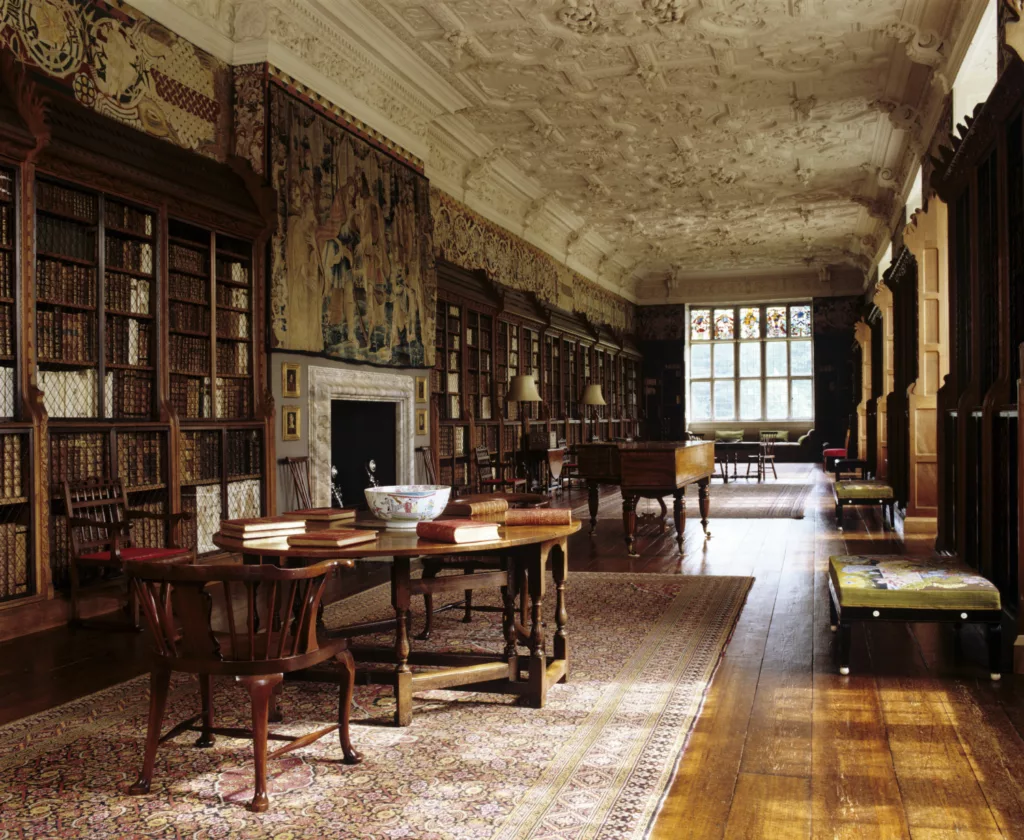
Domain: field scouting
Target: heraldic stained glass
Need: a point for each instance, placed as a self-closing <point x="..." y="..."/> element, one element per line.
<point x="750" y="322"/>
<point x="724" y="324"/>
<point x="700" y="324"/>
<point x="775" y="317"/>
<point x="799" y="321"/>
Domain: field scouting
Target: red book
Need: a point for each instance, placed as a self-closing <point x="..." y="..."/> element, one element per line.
<point x="457" y="531"/>
<point x="539" y="516"/>
<point x="332" y="538"/>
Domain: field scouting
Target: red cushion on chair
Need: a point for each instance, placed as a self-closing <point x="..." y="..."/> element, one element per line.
<point x="139" y="554"/>
<point x="834" y="453"/>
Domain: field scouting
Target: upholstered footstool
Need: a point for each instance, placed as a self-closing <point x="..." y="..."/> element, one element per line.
<point x="861" y="492"/>
<point x="891" y="587"/>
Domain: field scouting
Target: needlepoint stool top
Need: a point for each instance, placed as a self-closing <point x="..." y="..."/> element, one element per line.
<point x="896" y="581"/>
<point x="863" y="490"/>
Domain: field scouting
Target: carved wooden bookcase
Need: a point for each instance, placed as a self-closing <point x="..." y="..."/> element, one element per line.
<point x="485" y="335"/>
<point x="91" y="213"/>
<point x="981" y="180"/>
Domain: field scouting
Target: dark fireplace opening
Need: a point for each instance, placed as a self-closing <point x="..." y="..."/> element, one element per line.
<point x="361" y="431"/>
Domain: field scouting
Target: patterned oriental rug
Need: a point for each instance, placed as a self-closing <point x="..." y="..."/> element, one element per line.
<point x="594" y="763"/>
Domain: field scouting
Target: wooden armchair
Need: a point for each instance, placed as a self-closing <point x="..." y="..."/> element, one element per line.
<point x="488" y="478"/>
<point x="257" y="654"/>
<point x="99" y="521"/>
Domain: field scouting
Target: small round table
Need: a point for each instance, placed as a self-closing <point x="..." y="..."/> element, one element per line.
<point x="526" y="547"/>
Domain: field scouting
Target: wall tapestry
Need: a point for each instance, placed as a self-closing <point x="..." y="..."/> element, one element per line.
<point x="120" y="63"/>
<point x="352" y="267"/>
<point x="664" y="322"/>
<point x="471" y="241"/>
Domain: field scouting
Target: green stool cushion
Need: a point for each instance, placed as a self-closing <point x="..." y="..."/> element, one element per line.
<point x="728" y="437"/>
<point x="896" y="581"/>
<point x="863" y="490"/>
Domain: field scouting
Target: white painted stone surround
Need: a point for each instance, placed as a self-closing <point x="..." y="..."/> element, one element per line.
<point x="327" y="384"/>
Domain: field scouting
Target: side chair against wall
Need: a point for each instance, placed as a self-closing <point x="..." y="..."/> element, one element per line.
<point x="257" y="654"/>
<point x="765" y="455"/>
<point x="298" y="470"/>
<point x="836" y="453"/>
<point x="99" y="521"/>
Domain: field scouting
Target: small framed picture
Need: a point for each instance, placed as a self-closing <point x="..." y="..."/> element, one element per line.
<point x="421" y="389"/>
<point x="421" y="421"/>
<point x="290" y="422"/>
<point x="289" y="381"/>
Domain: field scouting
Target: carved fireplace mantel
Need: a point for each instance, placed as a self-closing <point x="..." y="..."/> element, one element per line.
<point x="330" y="383"/>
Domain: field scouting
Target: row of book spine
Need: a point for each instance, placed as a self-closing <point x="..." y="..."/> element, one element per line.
<point x="200" y="456"/>
<point x="14" y="565"/>
<point x="232" y="296"/>
<point x="140" y="458"/>
<point x="69" y="202"/>
<point x="149" y="532"/>
<point x="130" y="254"/>
<point x="188" y="316"/>
<point x="233" y="398"/>
<point x="233" y="357"/>
<point x="127" y="294"/>
<point x="66" y="336"/>
<point x="65" y="238"/>
<point x="65" y="282"/>
<point x="129" y="394"/>
<point x="181" y="258"/>
<point x="190" y="396"/>
<point x="128" y="341"/>
<point x="77" y="457"/>
<point x="232" y="271"/>
<point x="6" y="330"/>
<point x="187" y="287"/>
<point x="7" y="275"/>
<point x="128" y="218"/>
<point x="12" y="484"/>
<point x="244" y="454"/>
<point x="232" y="324"/>
<point x="189" y="354"/>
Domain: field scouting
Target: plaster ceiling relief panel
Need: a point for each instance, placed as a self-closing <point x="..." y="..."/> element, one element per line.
<point x="696" y="135"/>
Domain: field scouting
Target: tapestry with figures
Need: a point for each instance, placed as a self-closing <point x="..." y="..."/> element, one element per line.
<point x="124" y="65"/>
<point x="352" y="258"/>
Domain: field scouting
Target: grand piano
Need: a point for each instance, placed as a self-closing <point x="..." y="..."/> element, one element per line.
<point x="650" y="471"/>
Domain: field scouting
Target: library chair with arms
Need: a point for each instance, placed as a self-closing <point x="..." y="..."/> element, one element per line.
<point x="256" y="653"/>
<point x="488" y="477"/>
<point x="99" y="521"/>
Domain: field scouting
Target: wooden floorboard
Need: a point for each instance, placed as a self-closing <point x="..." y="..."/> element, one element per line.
<point x="916" y="743"/>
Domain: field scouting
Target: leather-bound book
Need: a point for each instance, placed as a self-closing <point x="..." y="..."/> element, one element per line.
<point x="321" y="514"/>
<point x="539" y="516"/>
<point x="457" y="531"/>
<point x="465" y="507"/>
<point x="332" y="538"/>
<point x="249" y="527"/>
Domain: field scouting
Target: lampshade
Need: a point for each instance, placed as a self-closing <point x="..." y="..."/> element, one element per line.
<point x="592" y="396"/>
<point x="523" y="389"/>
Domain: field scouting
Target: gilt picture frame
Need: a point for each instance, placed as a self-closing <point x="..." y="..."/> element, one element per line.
<point x="421" y="389"/>
<point x="291" y="418"/>
<point x="290" y="381"/>
<point x="422" y="422"/>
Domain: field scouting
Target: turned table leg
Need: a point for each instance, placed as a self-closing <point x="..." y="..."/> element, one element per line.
<point x="629" y="521"/>
<point x="403" y="674"/>
<point x="592" y="489"/>
<point x="679" y="515"/>
<point x="538" y="657"/>
<point x="704" y="488"/>
<point x="508" y="623"/>
<point x="560" y="571"/>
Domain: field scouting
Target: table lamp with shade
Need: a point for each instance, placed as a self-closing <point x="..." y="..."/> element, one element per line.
<point x="592" y="396"/>
<point x="523" y="389"/>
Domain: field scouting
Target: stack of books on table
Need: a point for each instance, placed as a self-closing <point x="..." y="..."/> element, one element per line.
<point x="320" y="519"/>
<point x="331" y="538"/>
<point x="458" y="531"/>
<point x="265" y="528"/>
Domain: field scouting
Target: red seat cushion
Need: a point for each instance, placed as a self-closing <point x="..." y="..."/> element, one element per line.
<point x="834" y="453"/>
<point x="139" y="554"/>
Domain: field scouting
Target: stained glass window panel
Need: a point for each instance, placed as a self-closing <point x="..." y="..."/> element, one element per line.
<point x="750" y="322"/>
<point x="724" y="324"/>
<point x="799" y="321"/>
<point x="700" y="324"/>
<point x="775" y="319"/>
<point x="750" y="358"/>
<point x="700" y="361"/>
<point x="750" y="399"/>
<point x="800" y="358"/>
<point x="700" y="401"/>
<point x="803" y="401"/>
<point x="775" y="359"/>
<point x="725" y="362"/>
<point x="725" y="400"/>
<point x="776" y="394"/>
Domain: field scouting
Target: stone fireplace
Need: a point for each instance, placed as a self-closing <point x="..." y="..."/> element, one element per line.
<point x="329" y="384"/>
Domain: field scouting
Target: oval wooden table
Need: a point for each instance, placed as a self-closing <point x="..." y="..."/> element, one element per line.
<point x="526" y="548"/>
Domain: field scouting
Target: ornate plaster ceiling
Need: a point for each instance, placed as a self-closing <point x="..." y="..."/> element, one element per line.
<point x="645" y="142"/>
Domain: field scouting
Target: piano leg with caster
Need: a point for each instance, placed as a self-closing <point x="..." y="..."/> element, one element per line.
<point x="592" y="500"/>
<point x="629" y="521"/>
<point x="679" y="515"/>
<point x="704" y="487"/>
